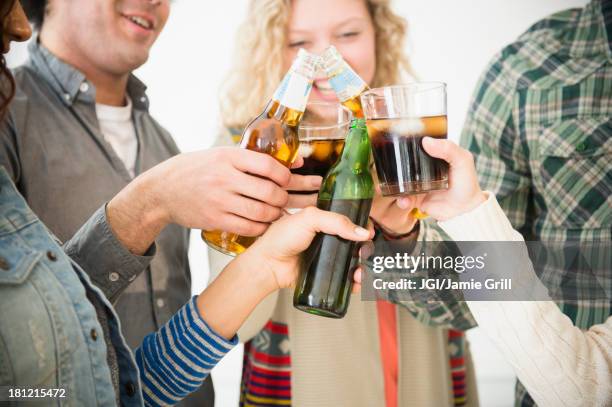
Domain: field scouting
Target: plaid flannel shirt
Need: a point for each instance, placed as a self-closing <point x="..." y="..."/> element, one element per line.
<point x="540" y="131"/>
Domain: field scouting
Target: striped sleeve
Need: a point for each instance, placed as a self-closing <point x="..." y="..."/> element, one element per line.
<point x="175" y="360"/>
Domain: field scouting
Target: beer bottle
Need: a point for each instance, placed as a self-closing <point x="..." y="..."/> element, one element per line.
<point x="326" y="274"/>
<point x="274" y="132"/>
<point x="347" y="85"/>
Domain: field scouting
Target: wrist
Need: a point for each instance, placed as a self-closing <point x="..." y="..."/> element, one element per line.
<point x="476" y="200"/>
<point x="149" y="195"/>
<point x="256" y="270"/>
<point x="233" y="295"/>
<point x="135" y="216"/>
<point x="412" y="233"/>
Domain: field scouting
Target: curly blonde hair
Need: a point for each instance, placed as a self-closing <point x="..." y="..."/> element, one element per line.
<point x="260" y="44"/>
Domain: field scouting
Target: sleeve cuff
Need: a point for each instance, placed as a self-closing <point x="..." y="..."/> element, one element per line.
<point x="98" y="251"/>
<point x="486" y="222"/>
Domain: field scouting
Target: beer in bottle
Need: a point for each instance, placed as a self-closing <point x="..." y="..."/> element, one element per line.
<point x="274" y="132"/>
<point x="326" y="275"/>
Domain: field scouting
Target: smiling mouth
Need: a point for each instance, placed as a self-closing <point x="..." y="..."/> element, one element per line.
<point x="141" y="22"/>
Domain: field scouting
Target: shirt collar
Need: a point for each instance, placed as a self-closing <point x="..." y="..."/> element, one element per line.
<point x="71" y="84"/>
<point x="593" y="32"/>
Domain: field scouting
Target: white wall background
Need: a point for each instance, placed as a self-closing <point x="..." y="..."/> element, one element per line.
<point x="450" y="41"/>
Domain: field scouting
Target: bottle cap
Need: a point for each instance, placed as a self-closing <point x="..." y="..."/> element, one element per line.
<point x="307" y="62"/>
<point x="331" y="60"/>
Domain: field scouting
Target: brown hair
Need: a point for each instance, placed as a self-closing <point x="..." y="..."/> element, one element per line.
<point x="7" y="83"/>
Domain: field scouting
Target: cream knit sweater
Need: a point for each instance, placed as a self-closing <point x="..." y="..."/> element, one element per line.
<point x="559" y="364"/>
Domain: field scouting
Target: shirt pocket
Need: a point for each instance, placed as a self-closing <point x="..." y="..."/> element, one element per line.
<point x="575" y="172"/>
<point x="27" y="332"/>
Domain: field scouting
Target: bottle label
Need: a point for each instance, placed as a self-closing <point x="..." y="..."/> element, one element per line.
<point x="347" y="84"/>
<point x="293" y="91"/>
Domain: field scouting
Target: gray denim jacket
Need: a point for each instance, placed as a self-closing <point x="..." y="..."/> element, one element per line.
<point x="50" y="335"/>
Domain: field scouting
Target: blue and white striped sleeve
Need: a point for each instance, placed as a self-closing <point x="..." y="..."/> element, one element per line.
<point x="175" y="360"/>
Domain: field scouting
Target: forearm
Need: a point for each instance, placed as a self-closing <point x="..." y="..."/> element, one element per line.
<point x="135" y="216"/>
<point x="260" y="315"/>
<point x="558" y="363"/>
<point x="228" y="301"/>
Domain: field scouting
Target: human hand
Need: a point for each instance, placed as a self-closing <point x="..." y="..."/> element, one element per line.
<point x="394" y="216"/>
<point x="303" y="189"/>
<point x="223" y="188"/>
<point x="269" y="264"/>
<point x="277" y="251"/>
<point x="463" y="193"/>
<point x="231" y="189"/>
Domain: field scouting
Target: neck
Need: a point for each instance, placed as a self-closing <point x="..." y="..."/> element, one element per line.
<point x="110" y="87"/>
<point x="282" y="113"/>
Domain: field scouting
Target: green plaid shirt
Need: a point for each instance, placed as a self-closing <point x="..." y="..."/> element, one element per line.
<point x="540" y="131"/>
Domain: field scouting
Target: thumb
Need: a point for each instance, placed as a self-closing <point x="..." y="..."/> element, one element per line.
<point x="444" y="149"/>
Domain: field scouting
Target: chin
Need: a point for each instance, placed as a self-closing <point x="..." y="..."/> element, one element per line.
<point x="134" y="60"/>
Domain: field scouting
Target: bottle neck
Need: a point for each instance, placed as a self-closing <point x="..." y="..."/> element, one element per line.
<point x="289" y="100"/>
<point x="356" y="152"/>
<point x="343" y="79"/>
<point x="275" y="110"/>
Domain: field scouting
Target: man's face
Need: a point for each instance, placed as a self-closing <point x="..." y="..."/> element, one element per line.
<point x="110" y="35"/>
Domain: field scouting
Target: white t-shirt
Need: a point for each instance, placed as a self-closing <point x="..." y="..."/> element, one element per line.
<point x="118" y="130"/>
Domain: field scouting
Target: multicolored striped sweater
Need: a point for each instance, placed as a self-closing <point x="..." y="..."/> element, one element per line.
<point x="266" y="372"/>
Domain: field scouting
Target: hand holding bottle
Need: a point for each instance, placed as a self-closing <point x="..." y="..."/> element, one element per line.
<point x="277" y="251"/>
<point x="269" y="264"/>
<point x="463" y="194"/>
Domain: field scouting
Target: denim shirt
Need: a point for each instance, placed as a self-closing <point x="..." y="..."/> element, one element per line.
<point x="52" y="147"/>
<point x="50" y="335"/>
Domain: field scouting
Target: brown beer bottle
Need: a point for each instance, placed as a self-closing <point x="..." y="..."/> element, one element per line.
<point x="274" y="132"/>
<point x="347" y="85"/>
<point x="326" y="271"/>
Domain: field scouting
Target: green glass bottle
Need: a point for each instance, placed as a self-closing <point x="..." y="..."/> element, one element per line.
<point x="326" y="275"/>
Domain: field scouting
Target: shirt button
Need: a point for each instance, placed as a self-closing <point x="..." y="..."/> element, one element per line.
<point x="4" y="265"/>
<point x="160" y="302"/>
<point x="94" y="334"/>
<point x="581" y="147"/>
<point x="84" y="87"/>
<point x="67" y="97"/>
<point x="130" y="389"/>
<point x="113" y="276"/>
<point x="143" y="99"/>
<point x="51" y="256"/>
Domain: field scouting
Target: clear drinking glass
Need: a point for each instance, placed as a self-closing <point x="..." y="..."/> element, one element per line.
<point x="398" y="118"/>
<point x="322" y="132"/>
